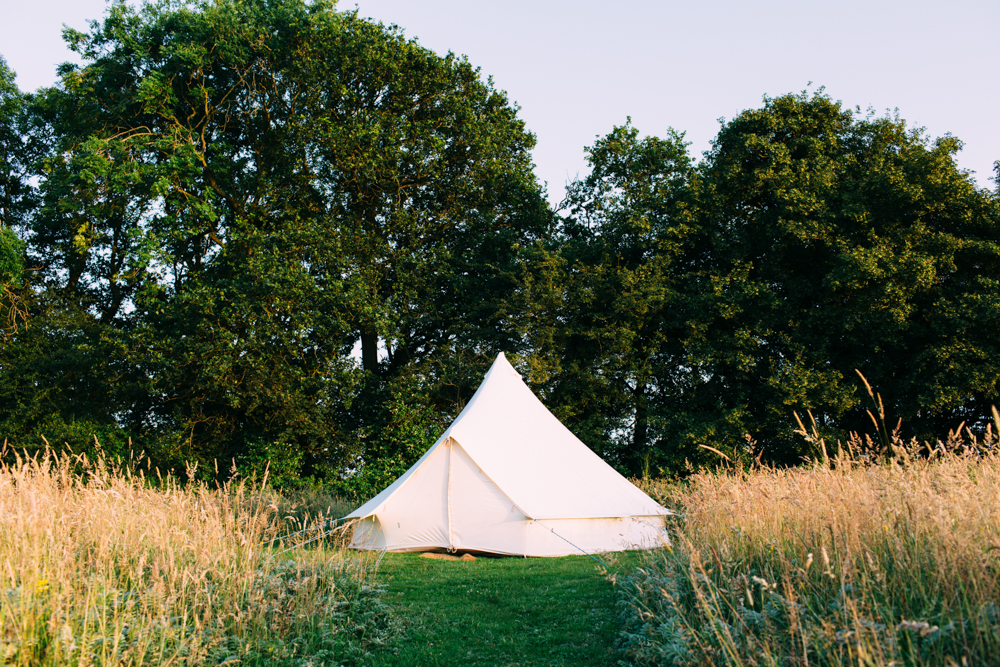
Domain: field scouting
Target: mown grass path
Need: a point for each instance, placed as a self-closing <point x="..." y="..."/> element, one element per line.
<point x="503" y="612"/>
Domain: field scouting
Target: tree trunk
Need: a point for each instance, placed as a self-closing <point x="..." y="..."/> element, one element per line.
<point x="369" y="351"/>
<point x="640" y="434"/>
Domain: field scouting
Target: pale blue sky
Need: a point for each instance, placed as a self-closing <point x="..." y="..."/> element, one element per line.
<point x="578" y="68"/>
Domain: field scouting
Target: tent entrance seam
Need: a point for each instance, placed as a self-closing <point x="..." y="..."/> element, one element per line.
<point x="451" y="520"/>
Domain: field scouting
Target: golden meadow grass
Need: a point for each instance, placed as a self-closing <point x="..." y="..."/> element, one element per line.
<point x="840" y="563"/>
<point x="100" y="567"/>
<point x="844" y="562"/>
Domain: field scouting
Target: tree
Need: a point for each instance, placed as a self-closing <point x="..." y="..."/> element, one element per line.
<point x="14" y="195"/>
<point x="243" y="190"/>
<point x="688" y="309"/>
<point x="613" y="352"/>
<point x="842" y="243"/>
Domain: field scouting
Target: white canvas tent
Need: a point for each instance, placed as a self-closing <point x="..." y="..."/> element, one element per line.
<point x="508" y="478"/>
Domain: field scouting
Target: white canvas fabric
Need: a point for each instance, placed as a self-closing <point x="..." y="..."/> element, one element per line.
<point x="507" y="477"/>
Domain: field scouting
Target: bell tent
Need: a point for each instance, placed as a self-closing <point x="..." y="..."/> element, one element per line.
<point x="508" y="478"/>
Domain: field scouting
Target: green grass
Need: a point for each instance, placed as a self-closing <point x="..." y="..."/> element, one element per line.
<point x="502" y="611"/>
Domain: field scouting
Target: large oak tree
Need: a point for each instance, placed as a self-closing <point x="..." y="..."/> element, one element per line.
<point x="240" y="193"/>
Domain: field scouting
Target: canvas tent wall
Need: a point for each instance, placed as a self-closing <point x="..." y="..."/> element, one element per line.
<point x="508" y="478"/>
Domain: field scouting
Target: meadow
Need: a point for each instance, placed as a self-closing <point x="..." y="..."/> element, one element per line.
<point x="852" y="559"/>
<point x="847" y="561"/>
<point x="100" y="565"/>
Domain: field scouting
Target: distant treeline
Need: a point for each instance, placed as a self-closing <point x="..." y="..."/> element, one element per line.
<point x="251" y="231"/>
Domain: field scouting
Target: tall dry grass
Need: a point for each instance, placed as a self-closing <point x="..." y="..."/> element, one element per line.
<point x="845" y="562"/>
<point x="98" y="566"/>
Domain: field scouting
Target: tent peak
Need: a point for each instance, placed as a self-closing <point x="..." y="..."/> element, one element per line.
<point x="502" y="362"/>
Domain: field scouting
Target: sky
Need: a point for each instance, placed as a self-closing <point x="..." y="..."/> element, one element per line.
<point x="578" y="68"/>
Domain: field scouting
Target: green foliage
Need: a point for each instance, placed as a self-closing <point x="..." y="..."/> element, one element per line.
<point x="238" y="193"/>
<point x="692" y="308"/>
<point x="62" y="381"/>
<point x="609" y="346"/>
<point x="842" y="243"/>
<point x="402" y="424"/>
<point x="304" y="613"/>
<point x="268" y="231"/>
<point x="15" y="191"/>
<point x="15" y="199"/>
<point x="11" y="257"/>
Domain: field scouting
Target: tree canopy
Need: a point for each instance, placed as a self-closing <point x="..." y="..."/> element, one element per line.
<point x="844" y="242"/>
<point x="812" y="242"/>
<point x="269" y="233"/>
<point x="240" y="192"/>
<point x="612" y="352"/>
